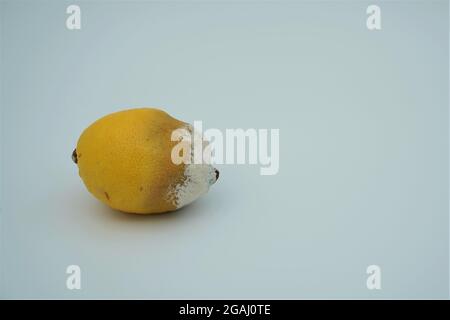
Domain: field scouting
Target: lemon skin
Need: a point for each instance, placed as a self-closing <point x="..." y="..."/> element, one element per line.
<point x="124" y="159"/>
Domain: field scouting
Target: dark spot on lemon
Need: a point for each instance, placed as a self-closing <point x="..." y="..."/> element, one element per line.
<point x="74" y="156"/>
<point x="217" y="174"/>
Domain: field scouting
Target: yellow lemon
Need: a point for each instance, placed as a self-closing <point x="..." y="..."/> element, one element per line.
<point x="125" y="161"/>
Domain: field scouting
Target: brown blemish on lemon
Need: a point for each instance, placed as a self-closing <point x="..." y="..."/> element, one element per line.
<point x="74" y="156"/>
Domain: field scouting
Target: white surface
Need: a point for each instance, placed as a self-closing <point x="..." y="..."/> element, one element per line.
<point x="363" y="121"/>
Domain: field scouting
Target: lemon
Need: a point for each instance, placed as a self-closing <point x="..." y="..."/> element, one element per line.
<point x="124" y="159"/>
